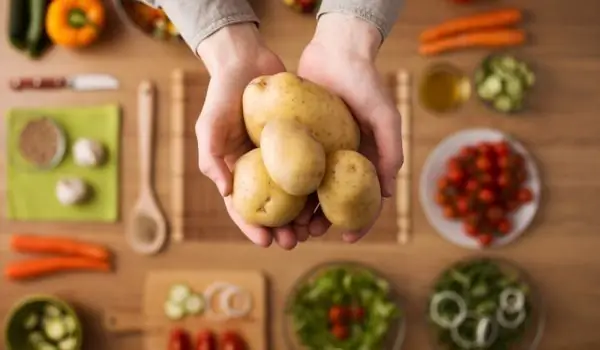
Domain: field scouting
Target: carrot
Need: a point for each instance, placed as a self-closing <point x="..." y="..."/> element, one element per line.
<point x="45" y="266"/>
<point x="480" y="21"/>
<point x="57" y="245"/>
<point x="495" y="38"/>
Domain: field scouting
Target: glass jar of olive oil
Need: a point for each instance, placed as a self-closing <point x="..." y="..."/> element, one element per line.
<point x="444" y="88"/>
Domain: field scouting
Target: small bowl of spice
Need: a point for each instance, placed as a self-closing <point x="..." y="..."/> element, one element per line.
<point x="42" y="143"/>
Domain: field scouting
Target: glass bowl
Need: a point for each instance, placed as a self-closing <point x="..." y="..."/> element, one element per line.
<point x="396" y="330"/>
<point x="533" y="331"/>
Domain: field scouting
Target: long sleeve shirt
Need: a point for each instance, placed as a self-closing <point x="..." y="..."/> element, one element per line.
<point x="198" y="19"/>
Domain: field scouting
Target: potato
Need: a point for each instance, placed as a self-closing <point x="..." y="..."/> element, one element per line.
<point x="287" y="96"/>
<point x="350" y="194"/>
<point x="257" y="199"/>
<point x="293" y="158"/>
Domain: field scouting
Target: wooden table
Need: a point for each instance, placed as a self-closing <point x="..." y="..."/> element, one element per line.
<point x="562" y="130"/>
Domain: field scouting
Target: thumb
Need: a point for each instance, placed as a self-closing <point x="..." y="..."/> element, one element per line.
<point x="388" y="137"/>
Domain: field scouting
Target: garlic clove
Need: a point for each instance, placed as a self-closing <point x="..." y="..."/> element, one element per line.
<point x="88" y="152"/>
<point x="71" y="191"/>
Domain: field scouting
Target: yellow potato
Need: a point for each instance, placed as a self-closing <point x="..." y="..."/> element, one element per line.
<point x="293" y="158"/>
<point x="350" y="194"/>
<point x="257" y="198"/>
<point x="287" y="96"/>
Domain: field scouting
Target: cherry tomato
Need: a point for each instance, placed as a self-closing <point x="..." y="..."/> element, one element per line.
<point x="456" y="175"/>
<point x="206" y="340"/>
<point x="468" y="152"/>
<point x="513" y="205"/>
<point x="485" y="148"/>
<point x="358" y="313"/>
<point x="525" y="195"/>
<point x="232" y="341"/>
<point x="450" y="212"/>
<point x="495" y="214"/>
<point x="340" y="332"/>
<point x="504" y="226"/>
<point x="502" y="148"/>
<point x="472" y="185"/>
<point x="486" y="179"/>
<point x="503" y="180"/>
<point x="454" y="163"/>
<point x="483" y="163"/>
<point x="521" y="176"/>
<point x="441" y="198"/>
<point x="443" y="183"/>
<point x="463" y="205"/>
<point x="470" y="229"/>
<point x="179" y="340"/>
<point x="485" y="239"/>
<point x="337" y="314"/>
<point x="486" y="196"/>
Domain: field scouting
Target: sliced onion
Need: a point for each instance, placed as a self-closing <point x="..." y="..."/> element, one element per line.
<point x="512" y="300"/>
<point x="510" y="324"/>
<point x="486" y="332"/>
<point x="434" y="307"/>
<point x="209" y="294"/>
<point x="226" y="301"/>
<point x="460" y="340"/>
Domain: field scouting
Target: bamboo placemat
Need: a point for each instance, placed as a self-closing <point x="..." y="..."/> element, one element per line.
<point x="403" y="189"/>
<point x="177" y="155"/>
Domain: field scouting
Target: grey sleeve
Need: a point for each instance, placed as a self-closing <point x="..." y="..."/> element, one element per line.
<point x="198" y="19"/>
<point x="381" y="13"/>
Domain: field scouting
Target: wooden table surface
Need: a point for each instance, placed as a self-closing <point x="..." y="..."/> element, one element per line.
<point x="562" y="130"/>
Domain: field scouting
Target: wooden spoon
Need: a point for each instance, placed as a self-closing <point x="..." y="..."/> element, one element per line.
<point x="147" y="233"/>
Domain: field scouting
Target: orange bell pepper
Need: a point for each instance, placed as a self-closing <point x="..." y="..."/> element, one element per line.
<point x="75" y="23"/>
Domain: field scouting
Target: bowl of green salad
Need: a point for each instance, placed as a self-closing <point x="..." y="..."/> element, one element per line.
<point x="344" y="305"/>
<point x="503" y="82"/>
<point x="43" y="322"/>
<point x="485" y="304"/>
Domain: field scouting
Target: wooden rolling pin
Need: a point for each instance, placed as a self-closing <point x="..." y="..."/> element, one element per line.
<point x="403" y="189"/>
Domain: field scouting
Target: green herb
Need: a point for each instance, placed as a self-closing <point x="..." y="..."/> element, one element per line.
<point x="347" y="286"/>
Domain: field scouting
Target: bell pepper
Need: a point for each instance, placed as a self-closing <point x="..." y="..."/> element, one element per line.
<point x="75" y="23"/>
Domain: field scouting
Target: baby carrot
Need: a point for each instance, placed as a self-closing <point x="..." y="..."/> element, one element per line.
<point x="57" y="245"/>
<point x="45" y="266"/>
<point x="495" y="38"/>
<point x="487" y="20"/>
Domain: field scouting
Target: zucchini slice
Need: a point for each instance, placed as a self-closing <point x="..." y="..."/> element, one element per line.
<point x="194" y="304"/>
<point x="67" y="344"/>
<point x="174" y="311"/>
<point x="490" y="88"/>
<point x="503" y="103"/>
<point x="55" y="329"/>
<point x="179" y="293"/>
<point x="31" y="322"/>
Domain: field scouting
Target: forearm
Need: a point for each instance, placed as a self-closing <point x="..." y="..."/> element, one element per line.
<point x="380" y="13"/>
<point x="198" y="19"/>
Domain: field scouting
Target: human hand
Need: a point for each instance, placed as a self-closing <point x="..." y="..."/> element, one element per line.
<point x="233" y="56"/>
<point x="345" y="65"/>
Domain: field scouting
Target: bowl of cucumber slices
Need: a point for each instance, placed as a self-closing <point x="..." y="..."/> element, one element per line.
<point x="503" y="82"/>
<point x="43" y="322"/>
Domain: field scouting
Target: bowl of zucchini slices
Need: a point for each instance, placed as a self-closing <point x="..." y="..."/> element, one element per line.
<point x="43" y="323"/>
<point x="485" y="304"/>
<point x="503" y="82"/>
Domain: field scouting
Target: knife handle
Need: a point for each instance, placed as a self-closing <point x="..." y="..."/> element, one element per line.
<point x="38" y="83"/>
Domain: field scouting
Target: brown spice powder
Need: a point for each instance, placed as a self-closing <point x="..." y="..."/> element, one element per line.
<point x="39" y="141"/>
<point x="145" y="229"/>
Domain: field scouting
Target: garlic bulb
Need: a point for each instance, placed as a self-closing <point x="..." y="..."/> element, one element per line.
<point x="70" y="191"/>
<point x="88" y="153"/>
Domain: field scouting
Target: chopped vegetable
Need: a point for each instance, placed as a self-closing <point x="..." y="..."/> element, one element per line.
<point x="52" y="311"/>
<point x="179" y="293"/>
<point x="502" y="81"/>
<point x="70" y="324"/>
<point x="194" y="304"/>
<point x="488" y="39"/>
<point x="321" y="310"/>
<point x="481" y="284"/>
<point x="31" y="322"/>
<point x="68" y="344"/>
<point x="179" y="339"/>
<point x="173" y="310"/>
<point x="36" y="337"/>
<point x="227" y="292"/>
<point x="54" y="329"/>
<point x="25" y="243"/>
<point x="45" y="266"/>
<point x="45" y="346"/>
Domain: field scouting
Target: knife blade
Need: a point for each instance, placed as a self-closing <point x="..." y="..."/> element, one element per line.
<point x="80" y="82"/>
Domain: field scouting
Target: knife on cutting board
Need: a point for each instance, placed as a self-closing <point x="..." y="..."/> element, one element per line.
<point x="80" y="82"/>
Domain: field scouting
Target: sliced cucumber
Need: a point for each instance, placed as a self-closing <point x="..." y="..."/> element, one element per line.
<point x="45" y="346"/>
<point x="52" y="311"/>
<point x="70" y="324"/>
<point x="509" y="63"/>
<point x="503" y="103"/>
<point x="174" y="311"/>
<point x="194" y="304"/>
<point x="179" y="293"/>
<point x="514" y="88"/>
<point x="36" y="338"/>
<point x="31" y="322"/>
<point x="67" y="344"/>
<point x="490" y="88"/>
<point x="55" y="329"/>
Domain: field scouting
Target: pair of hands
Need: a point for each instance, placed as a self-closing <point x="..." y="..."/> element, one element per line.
<point x="341" y="58"/>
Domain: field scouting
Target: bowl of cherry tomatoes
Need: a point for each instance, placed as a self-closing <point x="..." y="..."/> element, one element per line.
<point x="480" y="188"/>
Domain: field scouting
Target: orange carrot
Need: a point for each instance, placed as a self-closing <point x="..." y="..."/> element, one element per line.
<point x="65" y="246"/>
<point x="495" y="38"/>
<point x="480" y="21"/>
<point x="45" y="266"/>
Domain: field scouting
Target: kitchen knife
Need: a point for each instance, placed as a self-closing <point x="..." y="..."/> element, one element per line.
<point x="80" y="82"/>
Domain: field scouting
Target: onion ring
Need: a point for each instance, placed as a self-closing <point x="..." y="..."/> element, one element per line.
<point x="512" y="306"/>
<point x="483" y="326"/>
<point x="510" y="324"/>
<point x="227" y="297"/>
<point x="437" y="299"/>
<point x="228" y="291"/>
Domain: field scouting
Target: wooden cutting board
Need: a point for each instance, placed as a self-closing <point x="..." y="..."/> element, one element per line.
<point x="156" y="326"/>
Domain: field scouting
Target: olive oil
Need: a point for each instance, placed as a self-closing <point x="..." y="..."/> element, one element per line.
<point x="444" y="88"/>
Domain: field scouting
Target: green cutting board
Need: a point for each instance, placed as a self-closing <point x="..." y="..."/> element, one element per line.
<point x="31" y="193"/>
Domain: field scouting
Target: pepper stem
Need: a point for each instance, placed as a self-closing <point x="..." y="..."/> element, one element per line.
<point x="77" y="18"/>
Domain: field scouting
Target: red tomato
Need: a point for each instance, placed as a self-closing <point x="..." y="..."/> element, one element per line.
<point x="463" y="205"/>
<point x="485" y="239"/>
<point x="484" y="164"/>
<point x="485" y="148"/>
<point x="441" y="198"/>
<point x="337" y="314"/>
<point x="206" y="340"/>
<point x="472" y="186"/>
<point x="486" y="196"/>
<point x="450" y="212"/>
<point x="358" y="313"/>
<point x="456" y="175"/>
<point x="502" y="148"/>
<point x="503" y="180"/>
<point x="468" y="152"/>
<point x="521" y="176"/>
<point x="504" y="226"/>
<point x="525" y="195"/>
<point x="470" y="229"/>
<point x="340" y="332"/>
<point x="454" y="163"/>
<point x="443" y="183"/>
<point x="486" y="179"/>
<point x="232" y="341"/>
<point x="513" y="205"/>
<point x="495" y="214"/>
<point x="179" y="340"/>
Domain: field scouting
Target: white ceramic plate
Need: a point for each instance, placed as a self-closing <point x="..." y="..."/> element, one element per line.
<point x="435" y="166"/>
